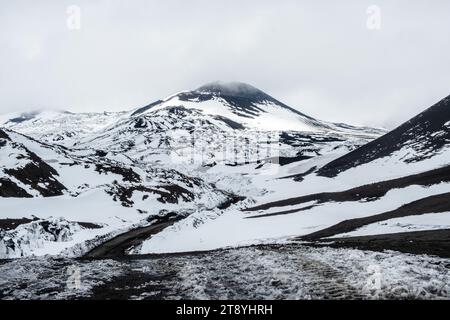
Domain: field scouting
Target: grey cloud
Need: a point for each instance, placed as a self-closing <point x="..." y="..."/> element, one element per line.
<point x="317" y="57"/>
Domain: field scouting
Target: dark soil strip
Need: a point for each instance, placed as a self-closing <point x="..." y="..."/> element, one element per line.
<point x="433" y="204"/>
<point x="117" y="246"/>
<point x="233" y="199"/>
<point x="434" y="242"/>
<point x="283" y="161"/>
<point x="11" y="224"/>
<point x="369" y="192"/>
<point x="300" y="176"/>
<point x="133" y="284"/>
<point x="3" y="261"/>
<point x="281" y="212"/>
<point x="89" y="225"/>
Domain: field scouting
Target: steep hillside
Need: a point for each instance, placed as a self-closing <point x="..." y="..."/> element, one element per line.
<point x="23" y="173"/>
<point x="419" y="139"/>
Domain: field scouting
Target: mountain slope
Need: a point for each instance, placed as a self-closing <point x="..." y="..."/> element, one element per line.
<point x="224" y="123"/>
<point x="396" y="183"/>
<point x="192" y="157"/>
<point x="23" y="173"/>
<point x="419" y="139"/>
<point x="248" y="106"/>
<point x="46" y="182"/>
<point x="59" y="127"/>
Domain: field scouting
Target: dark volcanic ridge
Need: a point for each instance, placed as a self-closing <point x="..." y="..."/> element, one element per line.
<point x="432" y="242"/>
<point x="426" y="134"/>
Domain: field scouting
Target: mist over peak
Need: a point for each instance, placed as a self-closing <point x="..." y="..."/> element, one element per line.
<point x="232" y="88"/>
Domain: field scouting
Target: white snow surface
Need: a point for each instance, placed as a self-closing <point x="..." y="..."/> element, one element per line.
<point x="35" y="239"/>
<point x="59" y="127"/>
<point x="91" y="196"/>
<point x="233" y="228"/>
<point x="178" y="141"/>
<point x="275" y="118"/>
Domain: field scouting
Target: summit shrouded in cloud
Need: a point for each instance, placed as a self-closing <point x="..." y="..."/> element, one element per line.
<point x="230" y="88"/>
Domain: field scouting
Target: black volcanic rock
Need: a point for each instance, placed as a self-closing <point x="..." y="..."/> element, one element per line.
<point x="36" y="173"/>
<point x="3" y="135"/>
<point x="9" y="189"/>
<point x="39" y="175"/>
<point x="426" y="134"/>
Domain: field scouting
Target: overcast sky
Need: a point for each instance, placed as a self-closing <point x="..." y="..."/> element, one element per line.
<point x="317" y="56"/>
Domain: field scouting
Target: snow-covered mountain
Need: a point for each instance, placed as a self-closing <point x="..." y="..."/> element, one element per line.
<point x="421" y="142"/>
<point x="61" y="127"/>
<point x="397" y="184"/>
<point x="224" y="123"/>
<point x="248" y="107"/>
<point x="44" y="182"/>
<point x="228" y="105"/>
<point x="223" y="157"/>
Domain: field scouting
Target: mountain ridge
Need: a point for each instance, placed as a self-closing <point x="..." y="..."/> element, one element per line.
<point x="237" y="104"/>
<point x="426" y="133"/>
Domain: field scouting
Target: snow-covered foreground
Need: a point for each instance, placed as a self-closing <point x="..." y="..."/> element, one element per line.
<point x="203" y="231"/>
<point x="265" y="272"/>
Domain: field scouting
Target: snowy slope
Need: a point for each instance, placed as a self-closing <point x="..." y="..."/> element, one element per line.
<point x="421" y="142"/>
<point x="237" y="228"/>
<point x="86" y="186"/>
<point x="237" y="105"/>
<point x="250" y="107"/>
<point x="191" y="155"/>
<point x="402" y="175"/>
<point x="60" y="127"/>
<point x="23" y="173"/>
<point x="228" y="124"/>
